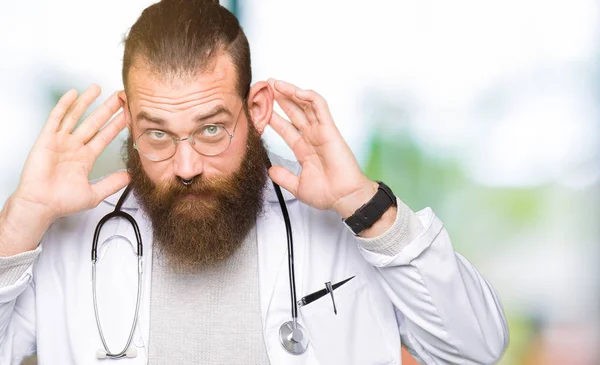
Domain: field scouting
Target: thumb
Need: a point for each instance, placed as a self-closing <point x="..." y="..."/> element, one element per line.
<point x="109" y="185"/>
<point x="284" y="178"/>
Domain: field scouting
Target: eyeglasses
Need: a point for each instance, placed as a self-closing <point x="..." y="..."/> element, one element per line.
<point x="207" y="140"/>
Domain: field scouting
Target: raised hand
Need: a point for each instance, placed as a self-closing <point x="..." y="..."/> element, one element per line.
<point x="54" y="181"/>
<point x="331" y="177"/>
<point x="55" y="176"/>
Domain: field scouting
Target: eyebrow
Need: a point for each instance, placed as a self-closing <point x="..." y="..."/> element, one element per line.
<point x="218" y="110"/>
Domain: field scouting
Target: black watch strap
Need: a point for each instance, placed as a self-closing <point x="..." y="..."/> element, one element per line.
<point x="368" y="214"/>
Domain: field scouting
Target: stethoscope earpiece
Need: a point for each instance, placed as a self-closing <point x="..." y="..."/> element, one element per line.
<point x="130" y="353"/>
<point x="101" y="354"/>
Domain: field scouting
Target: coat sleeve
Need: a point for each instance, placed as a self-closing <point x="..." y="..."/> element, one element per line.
<point x="17" y="311"/>
<point x="447" y="312"/>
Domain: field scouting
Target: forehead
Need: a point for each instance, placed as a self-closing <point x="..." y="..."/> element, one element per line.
<point x="215" y="85"/>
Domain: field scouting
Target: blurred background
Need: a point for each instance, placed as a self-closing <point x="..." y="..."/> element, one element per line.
<point x="486" y="111"/>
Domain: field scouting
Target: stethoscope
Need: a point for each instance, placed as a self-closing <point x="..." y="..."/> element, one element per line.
<point x="292" y="335"/>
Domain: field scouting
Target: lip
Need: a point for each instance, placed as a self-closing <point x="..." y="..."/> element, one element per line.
<point x="202" y="195"/>
<point x="192" y="196"/>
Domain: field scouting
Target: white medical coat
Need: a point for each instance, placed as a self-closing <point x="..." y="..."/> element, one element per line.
<point x="427" y="297"/>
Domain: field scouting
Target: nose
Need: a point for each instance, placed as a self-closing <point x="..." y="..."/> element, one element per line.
<point x="187" y="163"/>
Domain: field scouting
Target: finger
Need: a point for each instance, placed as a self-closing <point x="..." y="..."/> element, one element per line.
<point x="285" y="129"/>
<point x="80" y="106"/>
<point x="109" y="185"/>
<point x="285" y="88"/>
<point x="292" y="137"/>
<point x="103" y="138"/>
<point x="292" y="107"/>
<point x="295" y="112"/>
<point x="92" y="124"/>
<point x="318" y="103"/>
<point x="58" y="112"/>
<point x="284" y="178"/>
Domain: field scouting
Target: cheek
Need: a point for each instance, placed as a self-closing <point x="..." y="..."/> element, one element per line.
<point x="155" y="171"/>
<point x="225" y="165"/>
<point x="232" y="159"/>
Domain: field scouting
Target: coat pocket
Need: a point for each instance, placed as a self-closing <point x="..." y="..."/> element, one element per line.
<point x="353" y="336"/>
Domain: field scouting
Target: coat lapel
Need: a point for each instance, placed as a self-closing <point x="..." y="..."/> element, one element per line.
<point x="271" y="237"/>
<point x="143" y="327"/>
<point x="272" y="252"/>
<point x="274" y="284"/>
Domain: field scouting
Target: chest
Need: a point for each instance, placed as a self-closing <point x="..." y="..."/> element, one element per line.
<point x="363" y="331"/>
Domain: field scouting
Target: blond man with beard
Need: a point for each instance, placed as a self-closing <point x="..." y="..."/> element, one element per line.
<point x="213" y="285"/>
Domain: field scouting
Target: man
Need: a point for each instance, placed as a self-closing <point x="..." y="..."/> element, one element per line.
<point x="214" y="285"/>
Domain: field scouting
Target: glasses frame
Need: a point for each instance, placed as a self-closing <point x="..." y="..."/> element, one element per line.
<point x="176" y="140"/>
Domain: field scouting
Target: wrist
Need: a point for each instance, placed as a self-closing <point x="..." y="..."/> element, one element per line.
<point x="25" y="211"/>
<point x="22" y="225"/>
<point x="382" y="224"/>
<point x="347" y="205"/>
<point x="375" y="215"/>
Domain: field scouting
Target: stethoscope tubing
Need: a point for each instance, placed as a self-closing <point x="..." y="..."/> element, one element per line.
<point x="118" y="213"/>
<point x="290" y="248"/>
<point x="135" y="317"/>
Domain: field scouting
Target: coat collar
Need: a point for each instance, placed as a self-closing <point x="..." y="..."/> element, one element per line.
<point x="269" y="193"/>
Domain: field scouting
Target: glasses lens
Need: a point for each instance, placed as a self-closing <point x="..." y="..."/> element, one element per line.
<point x="211" y="139"/>
<point x="156" y="145"/>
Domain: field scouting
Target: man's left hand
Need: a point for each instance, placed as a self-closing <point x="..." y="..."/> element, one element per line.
<point x="331" y="177"/>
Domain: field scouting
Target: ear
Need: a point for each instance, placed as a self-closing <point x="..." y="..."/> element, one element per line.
<point x="260" y="105"/>
<point x="123" y="100"/>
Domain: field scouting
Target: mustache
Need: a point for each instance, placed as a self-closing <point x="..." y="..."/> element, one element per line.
<point x="216" y="186"/>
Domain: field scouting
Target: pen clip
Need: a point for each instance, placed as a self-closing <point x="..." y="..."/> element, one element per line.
<point x="323" y="292"/>
<point x="330" y="291"/>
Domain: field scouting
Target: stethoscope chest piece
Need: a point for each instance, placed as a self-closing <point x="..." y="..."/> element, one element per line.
<point x="294" y="340"/>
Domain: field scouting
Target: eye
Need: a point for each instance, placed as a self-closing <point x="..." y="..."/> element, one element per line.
<point x="211" y="130"/>
<point x="157" y="135"/>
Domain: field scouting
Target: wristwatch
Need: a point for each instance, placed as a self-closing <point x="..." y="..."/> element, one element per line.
<point x="369" y="213"/>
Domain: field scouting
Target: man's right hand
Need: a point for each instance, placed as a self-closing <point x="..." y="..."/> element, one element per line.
<point x="54" y="181"/>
